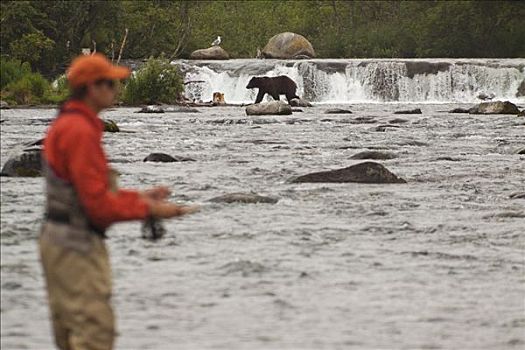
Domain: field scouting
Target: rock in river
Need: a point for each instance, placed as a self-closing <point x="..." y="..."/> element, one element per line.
<point x="167" y="109"/>
<point x="496" y="107"/>
<point x="367" y="172"/>
<point x="269" y="108"/>
<point x="288" y="45"/>
<point x="338" y="111"/>
<point x="244" y="198"/>
<point x="151" y="109"/>
<point x="517" y="195"/>
<point x="211" y="53"/>
<point x="299" y="102"/>
<point x="26" y="164"/>
<point x="166" y="158"/>
<point x="110" y="126"/>
<point x="373" y="155"/>
<point x="459" y="110"/>
<point x="410" y="111"/>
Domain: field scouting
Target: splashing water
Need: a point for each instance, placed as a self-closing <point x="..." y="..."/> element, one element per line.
<point x="362" y="81"/>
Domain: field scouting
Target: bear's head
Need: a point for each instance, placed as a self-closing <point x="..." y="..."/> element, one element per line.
<point x="254" y="83"/>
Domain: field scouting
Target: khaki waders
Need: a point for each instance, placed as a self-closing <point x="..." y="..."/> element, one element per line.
<point x="77" y="272"/>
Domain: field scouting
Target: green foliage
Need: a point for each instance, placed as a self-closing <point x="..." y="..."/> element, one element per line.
<point x="31" y="47"/>
<point x="49" y="33"/>
<point x="156" y="82"/>
<point x="19" y="85"/>
<point x="12" y="70"/>
<point x="29" y="89"/>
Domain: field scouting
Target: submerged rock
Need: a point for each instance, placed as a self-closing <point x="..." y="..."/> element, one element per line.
<point x="26" y="164"/>
<point x="521" y="151"/>
<point x="288" y="45"/>
<point x="167" y="109"/>
<point x="338" y="111"/>
<point x="496" y="107"/>
<point x="517" y="195"/>
<point x="247" y="198"/>
<point x="269" y="108"/>
<point x="367" y="172"/>
<point x="151" y="109"/>
<point x="522" y="113"/>
<point x="211" y="53"/>
<point x="299" y="102"/>
<point x="166" y="158"/>
<point x="410" y="111"/>
<point x="110" y="126"/>
<point x="385" y="127"/>
<point x="459" y="110"/>
<point x="373" y="155"/>
<point x="398" y="121"/>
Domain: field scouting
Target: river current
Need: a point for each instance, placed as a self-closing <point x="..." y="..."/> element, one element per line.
<point x="437" y="263"/>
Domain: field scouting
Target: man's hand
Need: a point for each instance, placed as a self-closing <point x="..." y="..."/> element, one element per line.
<point x="166" y="210"/>
<point x="157" y="193"/>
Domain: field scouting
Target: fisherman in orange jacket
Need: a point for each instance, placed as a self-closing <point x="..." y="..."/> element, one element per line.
<point x="81" y="205"/>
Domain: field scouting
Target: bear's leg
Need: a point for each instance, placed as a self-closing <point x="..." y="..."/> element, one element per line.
<point x="290" y="97"/>
<point x="260" y="96"/>
<point x="276" y="97"/>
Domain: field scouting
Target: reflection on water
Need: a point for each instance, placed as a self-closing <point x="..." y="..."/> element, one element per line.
<point x="436" y="263"/>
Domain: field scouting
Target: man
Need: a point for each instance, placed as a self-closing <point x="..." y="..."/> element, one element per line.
<point x="81" y="205"/>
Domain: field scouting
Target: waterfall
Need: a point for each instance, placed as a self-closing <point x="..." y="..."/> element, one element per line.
<point x="361" y="80"/>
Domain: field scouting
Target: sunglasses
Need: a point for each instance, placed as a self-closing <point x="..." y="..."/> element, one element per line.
<point x="108" y="82"/>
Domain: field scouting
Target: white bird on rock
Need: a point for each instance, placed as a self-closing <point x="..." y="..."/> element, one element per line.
<point x="217" y="41"/>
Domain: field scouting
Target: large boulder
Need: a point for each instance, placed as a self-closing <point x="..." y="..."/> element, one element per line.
<point x="26" y="164"/>
<point x="496" y="107"/>
<point x="211" y="53"/>
<point x="367" y="172"/>
<point x="269" y="108"/>
<point x="288" y="45"/>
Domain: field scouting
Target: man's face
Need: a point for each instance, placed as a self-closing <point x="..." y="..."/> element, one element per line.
<point x="103" y="93"/>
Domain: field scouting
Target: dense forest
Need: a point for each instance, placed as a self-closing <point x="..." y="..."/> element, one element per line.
<point x="47" y="34"/>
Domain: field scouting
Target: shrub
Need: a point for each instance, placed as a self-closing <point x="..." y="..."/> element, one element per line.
<point x="156" y="82"/>
<point x="30" y="89"/>
<point x="19" y="85"/>
<point x="12" y="70"/>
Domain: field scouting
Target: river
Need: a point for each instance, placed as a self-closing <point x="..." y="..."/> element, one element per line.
<point x="437" y="263"/>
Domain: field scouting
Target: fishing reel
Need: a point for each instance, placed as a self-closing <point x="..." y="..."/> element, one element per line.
<point x="152" y="229"/>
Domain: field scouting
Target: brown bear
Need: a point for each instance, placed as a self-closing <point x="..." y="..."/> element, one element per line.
<point x="273" y="86"/>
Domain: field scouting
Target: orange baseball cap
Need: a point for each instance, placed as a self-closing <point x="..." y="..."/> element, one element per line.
<point x="87" y="69"/>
